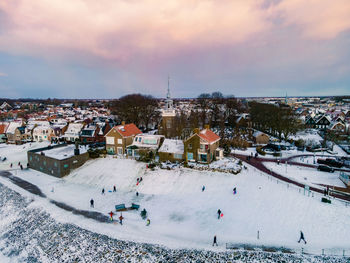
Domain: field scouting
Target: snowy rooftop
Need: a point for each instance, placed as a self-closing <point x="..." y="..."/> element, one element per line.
<point x="61" y="153"/>
<point x="172" y="146"/>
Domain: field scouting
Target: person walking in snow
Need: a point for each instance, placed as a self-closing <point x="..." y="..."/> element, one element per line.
<point x="137" y="193"/>
<point x="302" y="237"/>
<point x="114" y="189"/>
<point x="148" y="222"/>
<point x="214" y="241"/>
<point x="103" y="191"/>
<point x="219" y="213"/>
<point x="11" y="165"/>
<point x="234" y="191"/>
<point x="203" y="188"/>
<point x="140" y="179"/>
<point x="92" y="203"/>
<point x="111" y="214"/>
<point x="121" y="219"/>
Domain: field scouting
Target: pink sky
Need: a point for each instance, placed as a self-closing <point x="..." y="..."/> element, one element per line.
<point x="130" y="35"/>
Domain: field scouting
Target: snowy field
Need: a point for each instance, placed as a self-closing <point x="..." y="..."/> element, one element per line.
<point x="29" y="234"/>
<point x="182" y="216"/>
<point x="306" y="175"/>
<point x="17" y="153"/>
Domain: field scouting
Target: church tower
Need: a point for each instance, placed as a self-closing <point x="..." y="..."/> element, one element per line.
<point x="168" y="116"/>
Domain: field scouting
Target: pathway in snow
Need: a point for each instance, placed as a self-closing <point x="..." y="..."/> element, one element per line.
<point x="258" y="163"/>
<point x="36" y="190"/>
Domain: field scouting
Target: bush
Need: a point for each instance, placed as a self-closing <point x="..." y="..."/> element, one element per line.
<point x="260" y="151"/>
<point x="276" y="154"/>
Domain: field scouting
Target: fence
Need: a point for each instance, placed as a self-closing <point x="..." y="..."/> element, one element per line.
<point x="304" y="191"/>
<point x="337" y="252"/>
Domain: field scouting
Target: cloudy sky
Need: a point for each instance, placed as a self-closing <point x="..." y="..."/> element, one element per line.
<point x="109" y="48"/>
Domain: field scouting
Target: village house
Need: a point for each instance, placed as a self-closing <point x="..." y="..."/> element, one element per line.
<point x="42" y="133"/>
<point x="73" y="132"/>
<point x="119" y="137"/>
<point x="202" y="146"/>
<point x="12" y="133"/>
<point x="171" y="150"/>
<point x="89" y="133"/>
<point x="3" y="128"/>
<point x="144" y="143"/>
<point x="57" y="160"/>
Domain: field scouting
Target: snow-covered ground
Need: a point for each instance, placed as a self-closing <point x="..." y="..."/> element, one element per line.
<point x="182" y="216"/>
<point x="308" y="136"/>
<point x="17" y="153"/>
<point x="306" y="175"/>
<point x="29" y="234"/>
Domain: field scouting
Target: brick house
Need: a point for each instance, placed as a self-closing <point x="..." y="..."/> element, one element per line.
<point x="202" y="146"/>
<point x="119" y="137"/>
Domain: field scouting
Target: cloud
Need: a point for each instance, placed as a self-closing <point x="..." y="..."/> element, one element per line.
<point x="121" y="30"/>
<point x="2" y="74"/>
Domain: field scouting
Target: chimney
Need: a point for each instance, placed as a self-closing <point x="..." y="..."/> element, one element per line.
<point x="196" y="130"/>
<point x="123" y="123"/>
<point x="206" y="126"/>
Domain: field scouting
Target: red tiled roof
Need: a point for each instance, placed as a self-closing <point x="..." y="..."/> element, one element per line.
<point x="208" y="136"/>
<point x="3" y="128"/>
<point x="127" y="130"/>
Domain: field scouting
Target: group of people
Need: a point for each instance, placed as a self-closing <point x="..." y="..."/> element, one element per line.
<point x="139" y="180"/>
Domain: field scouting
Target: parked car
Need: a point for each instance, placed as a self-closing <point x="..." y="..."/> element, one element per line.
<point x="330" y="162"/>
<point x="325" y="168"/>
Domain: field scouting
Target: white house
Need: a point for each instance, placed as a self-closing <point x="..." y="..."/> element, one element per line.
<point x="73" y="131"/>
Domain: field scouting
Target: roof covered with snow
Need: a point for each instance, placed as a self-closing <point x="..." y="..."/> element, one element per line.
<point x="13" y="126"/>
<point x="61" y="153"/>
<point x="172" y="146"/>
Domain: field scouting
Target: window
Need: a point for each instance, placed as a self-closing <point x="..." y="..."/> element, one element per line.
<point x="189" y="156"/>
<point x="30" y="158"/>
<point x="135" y="139"/>
<point x="190" y="146"/>
<point x="55" y="164"/>
<point x="140" y="139"/>
<point x="65" y="166"/>
<point x="168" y="124"/>
<point x="45" y="163"/>
<point x="110" y="140"/>
<point x="120" y="141"/>
<point x="177" y="156"/>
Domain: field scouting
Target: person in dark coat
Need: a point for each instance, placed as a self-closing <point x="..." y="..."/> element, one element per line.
<point x="103" y="191"/>
<point x="114" y="189"/>
<point x="219" y="213"/>
<point x="214" y="241"/>
<point x="140" y="179"/>
<point x="137" y="193"/>
<point x="302" y="237"/>
<point x="234" y="191"/>
<point x="11" y="165"/>
<point x="92" y="203"/>
<point x="121" y="219"/>
<point x="203" y="188"/>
